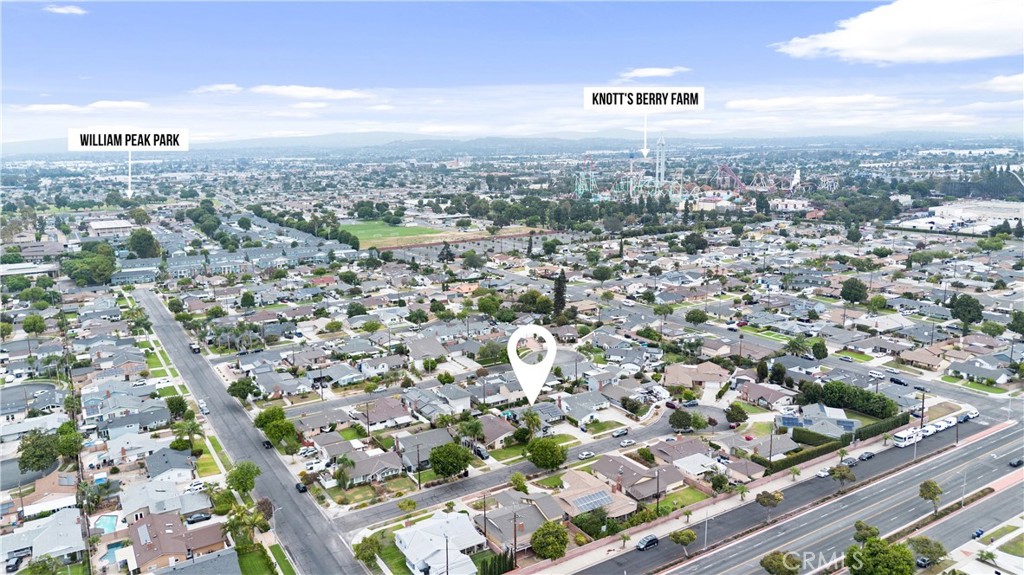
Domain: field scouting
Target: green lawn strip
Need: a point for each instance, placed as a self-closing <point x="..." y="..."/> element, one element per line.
<point x="897" y="365"/>
<point x="206" y="466"/>
<point x="355" y="494"/>
<point x="391" y="556"/>
<point x="1014" y="547"/>
<point x="183" y="389"/>
<point x="479" y="558"/>
<point x="174" y="372"/>
<point x="864" y="419"/>
<point x="168" y="391"/>
<point x="153" y="361"/>
<point x="158" y="372"/>
<point x="254" y="563"/>
<point x="224" y="461"/>
<point x="165" y="357"/>
<point x="855" y="355"/>
<point x="1004" y="530"/>
<point x="681" y="498"/>
<point x="983" y="387"/>
<point x="950" y="379"/>
<point x="282" y="560"/>
<point x="752" y="409"/>
<point x="597" y="427"/>
<point x="143" y="345"/>
<point x="426" y="475"/>
<point x="553" y="482"/>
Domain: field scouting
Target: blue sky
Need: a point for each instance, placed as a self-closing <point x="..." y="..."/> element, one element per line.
<point x="235" y="70"/>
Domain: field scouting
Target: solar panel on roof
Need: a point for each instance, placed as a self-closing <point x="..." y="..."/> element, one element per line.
<point x="592" y="501"/>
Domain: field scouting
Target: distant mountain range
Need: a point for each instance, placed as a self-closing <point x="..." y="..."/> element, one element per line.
<point x="402" y="144"/>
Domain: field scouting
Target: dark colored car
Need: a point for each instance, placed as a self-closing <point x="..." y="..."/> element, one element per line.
<point x="197" y="518"/>
<point x="733" y="425"/>
<point x="647" y="542"/>
<point x="963" y="418"/>
<point x="977" y="533"/>
<point x="267" y="444"/>
<point x="741" y="324"/>
<point x="671" y="405"/>
<point x="300" y="488"/>
<point x="1016" y="462"/>
<point x="691" y="403"/>
<point x="897" y="381"/>
<point x="13" y="564"/>
<point x="921" y="388"/>
<point x="866" y="455"/>
<point x="850" y="462"/>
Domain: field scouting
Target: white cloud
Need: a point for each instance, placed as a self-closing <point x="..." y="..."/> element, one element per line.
<point x="381" y="108"/>
<point x="218" y="89"/>
<point x="101" y="105"/>
<point x="309" y="105"/>
<point x="1013" y="83"/>
<point x="66" y="10"/>
<point x="916" y="31"/>
<point x="309" y="92"/>
<point x="815" y="103"/>
<point x="652" y="72"/>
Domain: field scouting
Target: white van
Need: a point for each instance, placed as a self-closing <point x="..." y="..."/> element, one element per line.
<point x="876" y="374"/>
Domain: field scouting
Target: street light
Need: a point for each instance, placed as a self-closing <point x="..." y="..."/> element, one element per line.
<point x="963" y="490"/>
<point x="273" y="522"/>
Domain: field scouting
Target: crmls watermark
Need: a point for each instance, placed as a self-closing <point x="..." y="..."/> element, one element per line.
<point x="813" y="561"/>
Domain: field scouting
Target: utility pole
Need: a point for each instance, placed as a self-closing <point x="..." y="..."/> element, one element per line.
<point x="515" y="537"/>
<point x="419" y="469"/>
<point x="446" y="571"/>
<point x="657" y="491"/>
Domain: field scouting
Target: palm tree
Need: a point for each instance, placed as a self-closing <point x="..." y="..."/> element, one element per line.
<point x="885" y="438"/>
<point x="341" y="473"/>
<point x="842" y="454"/>
<point x="987" y="556"/>
<point x="794" y="472"/>
<point x="241" y="523"/>
<point x="473" y="429"/>
<point x="189" y="428"/>
<point x="687" y="513"/>
<point x="624" y="537"/>
<point x="532" y="421"/>
<point x="742" y="490"/>
<point x="796" y="346"/>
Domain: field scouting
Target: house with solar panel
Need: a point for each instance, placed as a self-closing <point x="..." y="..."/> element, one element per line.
<point x="830" y="421"/>
<point x="582" y="492"/>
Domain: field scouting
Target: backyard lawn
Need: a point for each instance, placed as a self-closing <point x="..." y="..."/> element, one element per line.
<point x="596" y="427"/>
<point x="253" y="563"/>
<point x="350" y="433"/>
<point x="282" y="560"/>
<point x="682" y="498"/>
<point x="479" y="558"/>
<point x="864" y="419"/>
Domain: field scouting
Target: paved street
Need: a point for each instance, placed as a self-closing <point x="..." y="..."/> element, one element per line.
<point x="302" y="528"/>
<point x="985" y="461"/>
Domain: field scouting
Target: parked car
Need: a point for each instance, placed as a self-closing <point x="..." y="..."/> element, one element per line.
<point x="963" y="418"/>
<point x="973" y="413"/>
<point x="928" y="430"/>
<point x="891" y="370"/>
<point x="585" y="455"/>
<point x="898" y="381"/>
<point x="13" y="564"/>
<point x="921" y="388"/>
<point x="481" y="452"/>
<point x="846" y="358"/>
<point x="197" y="518"/>
<point x="1016" y="462"/>
<point x="300" y="488"/>
<point x="866" y="455"/>
<point x="620" y="432"/>
<point x="923" y="562"/>
<point x="671" y="405"/>
<point x="733" y="425"/>
<point x="977" y="533"/>
<point x="691" y="403"/>
<point x="850" y="462"/>
<point x="647" y="542"/>
<point x="824" y="472"/>
<point x="627" y="442"/>
<point x="741" y="324"/>
<point x="267" y="444"/>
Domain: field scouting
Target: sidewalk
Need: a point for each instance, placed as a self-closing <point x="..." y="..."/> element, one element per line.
<point x="966" y="556"/>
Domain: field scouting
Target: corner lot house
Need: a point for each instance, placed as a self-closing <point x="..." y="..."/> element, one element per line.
<point x="424" y="545"/>
<point x="59" y="536"/>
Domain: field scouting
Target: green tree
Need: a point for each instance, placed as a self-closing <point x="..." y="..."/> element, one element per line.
<point x="1016" y="324"/>
<point x="472" y="428"/>
<point x="777" y="374"/>
<point x="680" y="419"/>
<point x="877" y="303"/>
<point x="143" y="244"/>
<point x="355" y="308"/>
<point x="418" y="316"/>
<point x="248" y="300"/>
<point x="930" y="491"/>
<point x="268" y="416"/>
<point x="781" y="563"/>
<point x="368" y="549"/>
<point x="854" y="291"/>
<point x="968" y="310"/>
<point x="550" y="540"/>
<point x="698" y="421"/>
<point x="683" y="537"/>
<point x="992" y="328"/>
<point x="842" y="474"/>
<point x="6" y="329"/>
<point x="407" y="505"/>
<point x="450" y="459"/>
<point x="796" y="346"/>
<point x="531" y="420"/>
<point x="37" y="451"/>
<point x="927" y="547"/>
<point x="696" y="316"/>
<point x="518" y="481"/>
<point x="242" y="389"/>
<point x="245" y="223"/>
<point x="177" y="405"/>
<point x="242" y="477"/>
<point x="878" y="557"/>
<point x="546" y="453"/>
<point x="43" y="565"/>
<point x="33" y="325"/>
<point x="820" y="350"/>
<point x="769" y="500"/>
<point x="188" y="429"/>
<point x="559" y="297"/>
<point x="863" y="531"/>
<point x="602" y="274"/>
<point x="278" y="431"/>
<point x="762" y="370"/>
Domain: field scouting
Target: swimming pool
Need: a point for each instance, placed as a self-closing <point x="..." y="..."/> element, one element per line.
<point x="108" y="523"/>
<point x="111" y="549"/>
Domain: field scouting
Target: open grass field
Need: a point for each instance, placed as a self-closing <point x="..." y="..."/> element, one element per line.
<point x="380" y="235"/>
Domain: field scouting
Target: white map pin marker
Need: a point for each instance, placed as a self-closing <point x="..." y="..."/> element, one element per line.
<point x="531" y="376"/>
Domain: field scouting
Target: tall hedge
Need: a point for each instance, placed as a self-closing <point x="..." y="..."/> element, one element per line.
<point x="802" y="456"/>
<point x="808" y="437"/>
<point x="882" y="426"/>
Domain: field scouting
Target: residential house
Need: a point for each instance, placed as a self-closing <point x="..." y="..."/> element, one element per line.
<point x="496" y="430"/>
<point x="58" y="490"/>
<point x="170" y="465"/>
<point x="520" y="515"/>
<point x="636" y="481"/>
<point x="58" y="535"/>
<point x="162" y="540"/>
<point x="374" y="468"/>
<point x="372" y="366"/>
<point x="582" y="407"/>
<point x="767" y="395"/>
<point x="440" y="545"/>
<point x="694" y="376"/>
<point x="582" y="492"/>
<point x="830" y="421"/>
<point x="223" y="562"/>
<point x="383" y="414"/>
<point x="457" y="397"/>
<point x="980" y="371"/>
<point x="153" y="497"/>
<point x="415" y="448"/>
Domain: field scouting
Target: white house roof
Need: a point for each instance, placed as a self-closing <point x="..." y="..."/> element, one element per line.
<point x="423" y="544"/>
